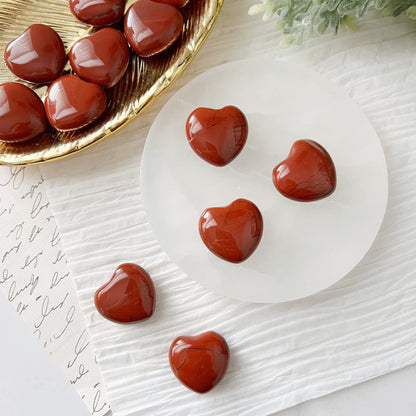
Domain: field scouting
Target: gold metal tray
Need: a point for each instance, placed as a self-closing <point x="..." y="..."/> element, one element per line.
<point x="144" y="81"/>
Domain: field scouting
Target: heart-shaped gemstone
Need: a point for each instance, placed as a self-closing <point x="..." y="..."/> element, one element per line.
<point x="176" y="3"/>
<point x="101" y="58"/>
<point x="199" y="362"/>
<point x="232" y="232"/>
<point x="72" y="103"/>
<point x="152" y="27"/>
<point x="129" y="296"/>
<point x="22" y="115"/>
<point x="307" y="174"/>
<point x="98" y="12"/>
<point x="217" y="136"/>
<point x="37" y="55"/>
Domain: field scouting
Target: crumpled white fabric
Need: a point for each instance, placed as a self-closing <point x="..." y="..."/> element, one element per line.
<point x="281" y="355"/>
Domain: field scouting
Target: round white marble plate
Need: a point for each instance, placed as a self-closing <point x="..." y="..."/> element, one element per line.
<point x="305" y="247"/>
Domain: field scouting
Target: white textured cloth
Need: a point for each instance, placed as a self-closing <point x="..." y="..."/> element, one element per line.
<point x="281" y="355"/>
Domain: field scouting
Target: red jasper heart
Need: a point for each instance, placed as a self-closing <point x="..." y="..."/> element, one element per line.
<point x="22" y="115"/>
<point x="308" y="173"/>
<point x="199" y="362"/>
<point x="129" y="296"/>
<point x="37" y="55"/>
<point x="232" y="232"/>
<point x="152" y="27"/>
<point x="98" y="12"/>
<point x="176" y="3"/>
<point x="101" y="58"/>
<point x="72" y="103"/>
<point x="217" y="136"/>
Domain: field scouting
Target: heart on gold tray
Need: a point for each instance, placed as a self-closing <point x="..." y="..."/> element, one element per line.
<point x="144" y="81"/>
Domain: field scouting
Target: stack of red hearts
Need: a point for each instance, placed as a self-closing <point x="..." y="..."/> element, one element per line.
<point x="99" y="61"/>
<point x="233" y="232"/>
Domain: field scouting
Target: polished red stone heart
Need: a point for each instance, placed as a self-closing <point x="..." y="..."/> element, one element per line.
<point x="101" y="58"/>
<point x="307" y="174"/>
<point x="176" y="3"/>
<point x="22" y="115"/>
<point x="129" y="296"/>
<point x="72" y="103"/>
<point x="98" y="12"/>
<point x="152" y="27"/>
<point x="199" y="362"/>
<point x="37" y="55"/>
<point x="217" y="136"/>
<point x="232" y="232"/>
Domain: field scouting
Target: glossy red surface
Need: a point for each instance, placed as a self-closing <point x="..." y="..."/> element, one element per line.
<point x="217" y="136"/>
<point x="22" y="115"/>
<point x="199" y="362"/>
<point x="98" y="12"/>
<point x="232" y="232"/>
<point x="307" y="174"/>
<point x="37" y="55"/>
<point x="72" y="103"/>
<point x="129" y="296"/>
<point x="101" y="58"/>
<point x="176" y="3"/>
<point x="152" y="27"/>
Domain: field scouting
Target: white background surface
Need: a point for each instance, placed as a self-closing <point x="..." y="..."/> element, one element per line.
<point x="360" y="328"/>
<point x="30" y="384"/>
<point x="389" y="395"/>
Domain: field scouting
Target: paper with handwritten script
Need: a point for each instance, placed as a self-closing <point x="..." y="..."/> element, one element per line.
<point x="35" y="278"/>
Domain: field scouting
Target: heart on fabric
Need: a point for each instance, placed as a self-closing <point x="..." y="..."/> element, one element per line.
<point x="199" y="362"/>
<point x="232" y="232"/>
<point x="129" y="296"/>
<point x="217" y="136"/>
<point x="307" y="174"/>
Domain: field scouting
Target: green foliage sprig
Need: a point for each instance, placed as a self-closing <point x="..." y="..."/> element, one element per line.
<point x="300" y="18"/>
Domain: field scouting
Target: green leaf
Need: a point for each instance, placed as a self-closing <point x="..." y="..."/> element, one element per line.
<point x="362" y="8"/>
<point x="300" y="18"/>
<point x="332" y="4"/>
<point x="323" y="26"/>
<point x="380" y="4"/>
<point x="284" y="11"/>
<point x="411" y="12"/>
<point x="346" y="7"/>
<point x="398" y="7"/>
<point x="334" y="20"/>
<point x="285" y="43"/>
<point x="350" y="23"/>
